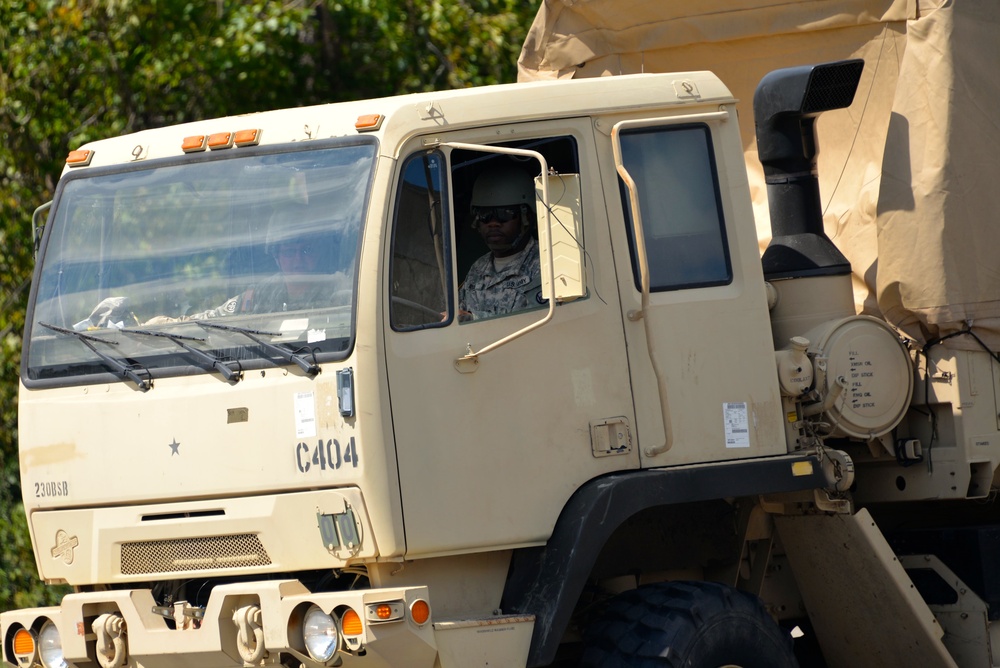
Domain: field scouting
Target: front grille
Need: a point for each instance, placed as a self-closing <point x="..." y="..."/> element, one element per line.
<point x="193" y="554"/>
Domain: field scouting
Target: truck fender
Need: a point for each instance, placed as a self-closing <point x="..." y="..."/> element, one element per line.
<point x="546" y="581"/>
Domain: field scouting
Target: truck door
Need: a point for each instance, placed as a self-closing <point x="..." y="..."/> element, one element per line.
<point x="489" y="456"/>
<point x="705" y="328"/>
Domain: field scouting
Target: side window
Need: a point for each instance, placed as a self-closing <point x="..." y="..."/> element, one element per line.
<point x="420" y="272"/>
<point x="496" y="231"/>
<point x="678" y="189"/>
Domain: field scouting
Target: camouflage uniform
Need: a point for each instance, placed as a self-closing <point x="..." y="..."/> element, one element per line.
<point x="487" y="292"/>
<point x="271" y="296"/>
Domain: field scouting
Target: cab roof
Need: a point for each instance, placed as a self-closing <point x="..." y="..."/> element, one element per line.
<point x="394" y="119"/>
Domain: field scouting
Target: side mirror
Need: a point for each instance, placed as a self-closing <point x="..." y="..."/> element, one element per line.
<point x="566" y="218"/>
<point x="36" y="227"/>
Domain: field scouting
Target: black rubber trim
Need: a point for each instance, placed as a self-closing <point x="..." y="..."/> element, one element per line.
<point x="547" y="581"/>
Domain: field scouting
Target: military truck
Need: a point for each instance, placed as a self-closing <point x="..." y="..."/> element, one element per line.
<point x="681" y="452"/>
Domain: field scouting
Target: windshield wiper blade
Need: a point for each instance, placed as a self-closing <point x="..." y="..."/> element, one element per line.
<point x="210" y="360"/>
<point x="310" y="368"/>
<point x="126" y="370"/>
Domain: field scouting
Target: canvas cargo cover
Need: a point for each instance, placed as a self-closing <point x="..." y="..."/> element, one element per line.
<point x="909" y="174"/>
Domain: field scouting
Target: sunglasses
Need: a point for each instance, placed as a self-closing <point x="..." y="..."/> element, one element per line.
<point x="501" y="214"/>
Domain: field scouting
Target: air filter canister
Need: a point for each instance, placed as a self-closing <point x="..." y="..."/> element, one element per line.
<point x="870" y="357"/>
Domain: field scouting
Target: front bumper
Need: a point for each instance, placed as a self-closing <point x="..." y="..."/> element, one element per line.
<point x="214" y="639"/>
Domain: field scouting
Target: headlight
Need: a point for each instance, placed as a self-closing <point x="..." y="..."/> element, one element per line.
<point x="50" y="646"/>
<point x="320" y="634"/>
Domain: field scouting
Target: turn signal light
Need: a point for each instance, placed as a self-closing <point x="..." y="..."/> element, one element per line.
<point x="350" y="623"/>
<point x="24" y="643"/>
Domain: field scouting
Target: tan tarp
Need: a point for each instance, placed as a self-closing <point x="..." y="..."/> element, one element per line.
<point x="909" y="174"/>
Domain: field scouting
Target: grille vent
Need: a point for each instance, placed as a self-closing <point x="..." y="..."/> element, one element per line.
<point x="193" y="554"/>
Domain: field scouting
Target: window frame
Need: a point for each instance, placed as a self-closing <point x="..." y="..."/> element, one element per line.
<point x="449" y="194"/>
<point x="447" y="227"/>
<point x="728" y="276"/>
<point x="101" y="374"/>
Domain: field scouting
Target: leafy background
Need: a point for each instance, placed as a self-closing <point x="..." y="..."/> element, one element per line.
<point x="76" y="70"/>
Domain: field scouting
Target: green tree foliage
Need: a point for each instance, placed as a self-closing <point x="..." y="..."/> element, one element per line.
<point x="76" y="70"/>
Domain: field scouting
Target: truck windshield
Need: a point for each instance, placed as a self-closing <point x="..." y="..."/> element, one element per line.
<point x="260" y="242"/>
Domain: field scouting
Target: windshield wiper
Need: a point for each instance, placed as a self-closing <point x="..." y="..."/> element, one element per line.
<point x="126" y="370"/>
<point x="310" y="368"/>
<point x="210" y="361"/>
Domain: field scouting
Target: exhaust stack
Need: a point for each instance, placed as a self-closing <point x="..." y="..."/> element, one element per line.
<point x="786" y="104"/>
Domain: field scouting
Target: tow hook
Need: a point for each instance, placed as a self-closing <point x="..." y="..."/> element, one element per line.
<point x="839" y="469"/>
<point x="110" y="631"/>
<point x="250" y="639"/>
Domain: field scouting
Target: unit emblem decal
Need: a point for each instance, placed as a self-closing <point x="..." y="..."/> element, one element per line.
<point x="65" y="546"/>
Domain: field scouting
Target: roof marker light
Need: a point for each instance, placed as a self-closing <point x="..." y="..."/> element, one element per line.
<point x="79" y="158"/>
<point x="220" y="140"/>
<point x="247" y="137"/>
<point x="194" y="143"/>
<point x="369" y="122"/>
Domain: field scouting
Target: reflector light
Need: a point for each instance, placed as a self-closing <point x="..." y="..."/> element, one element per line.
<point x="368" y="122"/>
<point x="194" y="143"/>
<point x="802" y="468"/>
<point x="79" y="158"/>
<point x="420" y="611"/>
<point x="24" y="643"/>
<point x="350" y="624"/>
<point x="220" y="140"/>
<point x="247" y="137"/>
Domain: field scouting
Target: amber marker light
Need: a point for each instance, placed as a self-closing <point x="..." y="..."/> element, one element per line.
<point x="387" y="611"/>
<point x="369" y="122"/>
<point x="220" y="140"/>
<point x="79" y="158"/>
<point x="420" y="612"/>
<point x="350" y="623"/>
<point x="194" y="143"/>
<point x="24" y="646"/>
<point x="247" y="137"/>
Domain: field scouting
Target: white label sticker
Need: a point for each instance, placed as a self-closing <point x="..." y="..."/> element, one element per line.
<point x="292" y="329"/>
<point x="305" y="415"/>
<point x="293" y="325"/>
<point x="735" y="418"/>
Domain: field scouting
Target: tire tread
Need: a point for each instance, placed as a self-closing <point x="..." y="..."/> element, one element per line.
<point x="667" y="625"/>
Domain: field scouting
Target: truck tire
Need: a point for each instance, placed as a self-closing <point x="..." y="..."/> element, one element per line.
<point x="689" y="625"/>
